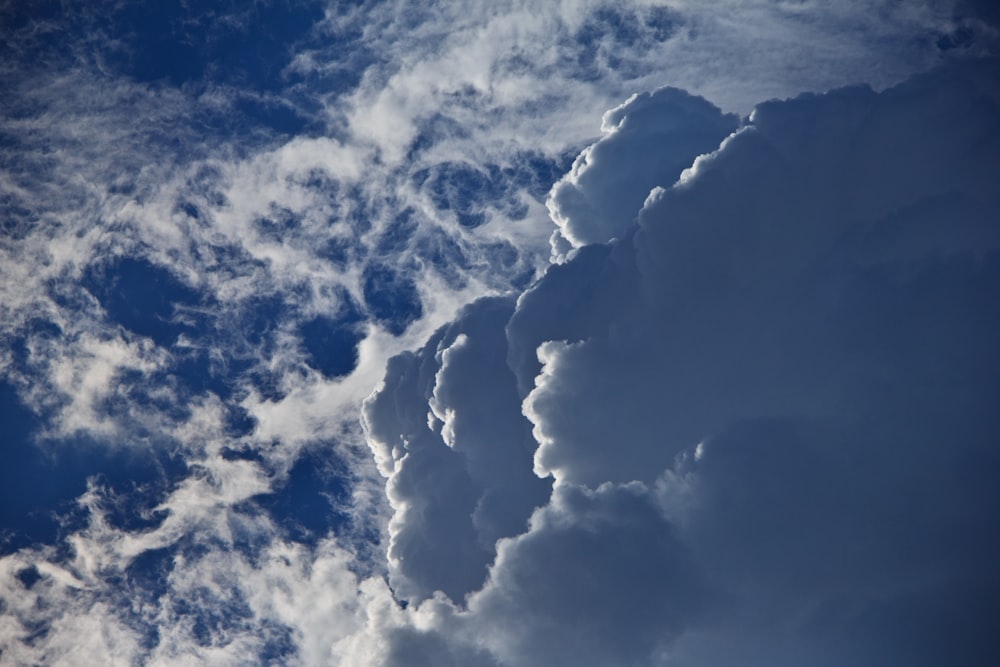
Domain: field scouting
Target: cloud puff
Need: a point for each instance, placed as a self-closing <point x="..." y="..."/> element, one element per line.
<point x="599" y="199"/>
<point x="446" y="429"/>
<point x="599" y="579"/>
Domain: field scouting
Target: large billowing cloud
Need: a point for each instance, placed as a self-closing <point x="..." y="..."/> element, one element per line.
<point x="769" y="409"/>
<point x="750" y="288"/>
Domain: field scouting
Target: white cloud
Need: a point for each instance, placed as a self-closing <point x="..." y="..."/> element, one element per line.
<point x="446" y="430"/>
<point x="600" y="198"/>
<point x="87" y="376"/>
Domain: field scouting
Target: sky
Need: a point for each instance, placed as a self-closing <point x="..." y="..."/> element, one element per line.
<point x="499" y="334"/>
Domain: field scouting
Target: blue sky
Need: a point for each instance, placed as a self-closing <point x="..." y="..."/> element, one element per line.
<point x="506" y="334"/>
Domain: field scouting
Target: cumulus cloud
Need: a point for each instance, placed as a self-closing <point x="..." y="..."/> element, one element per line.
<point x="725" y="276"/>
<point x="598" y="579"/>
<point x="446" y="430"/>
<point x="600" y="197"/>
<point x="791" y="350"/>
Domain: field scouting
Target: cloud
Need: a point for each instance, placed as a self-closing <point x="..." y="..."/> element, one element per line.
<point x="750" y="287"/>
<point x="176" y="243"/>
<point x="791" y="350"/>
<point x="598" y="579"/>
<point x="489" y="102"/>
<point x="599" y="199"/>
<point x="446" y="430"/>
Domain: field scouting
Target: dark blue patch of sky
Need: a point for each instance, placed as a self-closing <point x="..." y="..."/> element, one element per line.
<point x="39" y="482"/>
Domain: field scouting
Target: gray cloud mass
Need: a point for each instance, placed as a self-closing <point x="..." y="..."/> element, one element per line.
<point x="792" y="351"/>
